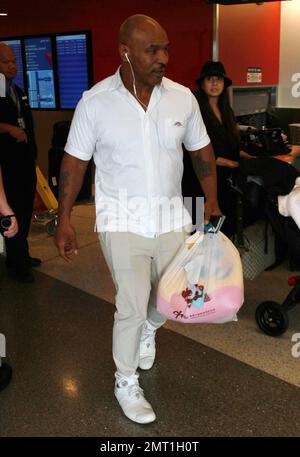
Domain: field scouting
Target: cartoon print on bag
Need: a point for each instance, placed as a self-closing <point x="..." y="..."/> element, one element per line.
<point x="195" y="296"/>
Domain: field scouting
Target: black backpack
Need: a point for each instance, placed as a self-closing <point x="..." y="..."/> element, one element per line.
<point x="264" y="142"/>
<point x="275" y="177"/>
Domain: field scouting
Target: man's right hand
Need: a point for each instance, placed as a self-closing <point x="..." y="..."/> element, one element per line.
<point x="18" y="134"/>
<point x="65" y="240"/>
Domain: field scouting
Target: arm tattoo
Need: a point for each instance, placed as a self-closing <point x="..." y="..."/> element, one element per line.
<point x="201" y="167"/>
<point x="63" y="184"/>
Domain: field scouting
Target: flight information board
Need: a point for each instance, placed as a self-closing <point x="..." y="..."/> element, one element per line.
<point x="16" y="46"/>
<point x="54" y="69"/>
<point x="72" y="65"/>
<point x="40" y="75"/>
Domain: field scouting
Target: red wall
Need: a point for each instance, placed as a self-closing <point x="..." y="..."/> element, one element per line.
<point x="249" y="37"/>
<point x="188" y="24"/>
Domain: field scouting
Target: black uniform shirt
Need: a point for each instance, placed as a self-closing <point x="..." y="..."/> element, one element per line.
<point x="13" y="153"/>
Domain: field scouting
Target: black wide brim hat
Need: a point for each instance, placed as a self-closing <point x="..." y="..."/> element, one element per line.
<point x="211" y="68"/>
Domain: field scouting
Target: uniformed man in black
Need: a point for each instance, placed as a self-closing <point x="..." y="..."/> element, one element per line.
<point x="5" y="210"/>
<point x="17" y="160"/>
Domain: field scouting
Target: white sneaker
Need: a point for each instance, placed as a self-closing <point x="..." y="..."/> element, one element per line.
<point x="132" y="401"/>
<point x="147" y="346"/>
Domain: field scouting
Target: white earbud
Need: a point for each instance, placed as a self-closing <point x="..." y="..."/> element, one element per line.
<point x="133" y="80"/>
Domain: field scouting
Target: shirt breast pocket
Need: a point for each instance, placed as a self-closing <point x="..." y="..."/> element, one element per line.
<point x="174" y="130"/>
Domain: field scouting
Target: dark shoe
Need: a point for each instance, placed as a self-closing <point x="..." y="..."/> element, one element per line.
<point x="24" y="275"/>
<point x="34" y="262"/>
<point x="5" y="375"/>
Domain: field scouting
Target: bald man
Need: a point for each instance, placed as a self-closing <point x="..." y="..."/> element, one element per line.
<point x="17" y="161"/>
<point x="133" y="124"/>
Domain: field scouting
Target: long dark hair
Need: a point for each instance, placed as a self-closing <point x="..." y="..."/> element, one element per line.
<point x="227" y="114"/>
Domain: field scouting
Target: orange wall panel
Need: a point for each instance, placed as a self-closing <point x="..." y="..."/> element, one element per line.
<point x="188" y="24"/>
<point x="249" y="36"/>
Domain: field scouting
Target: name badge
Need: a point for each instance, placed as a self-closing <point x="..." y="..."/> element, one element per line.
<point x="21" y="123"/>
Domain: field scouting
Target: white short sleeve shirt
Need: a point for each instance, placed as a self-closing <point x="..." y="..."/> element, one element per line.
<point x="138" y="154"/>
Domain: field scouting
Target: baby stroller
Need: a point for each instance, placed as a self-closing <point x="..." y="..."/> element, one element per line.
<point x="271" y="317"/>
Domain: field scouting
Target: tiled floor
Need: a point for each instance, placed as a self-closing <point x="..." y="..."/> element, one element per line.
<point x="241" y="340"/>
<point x="233" y="380"/>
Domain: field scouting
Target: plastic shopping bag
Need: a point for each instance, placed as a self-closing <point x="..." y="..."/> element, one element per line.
<point x="204" y="282"/>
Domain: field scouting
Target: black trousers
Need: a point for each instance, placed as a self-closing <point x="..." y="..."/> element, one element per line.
<point x="227" y="198"/>
<point x="19" y="184"/>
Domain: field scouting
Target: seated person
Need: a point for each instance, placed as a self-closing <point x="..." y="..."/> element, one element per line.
<point x="212" y="96"/>
<point x="5" y="369"/>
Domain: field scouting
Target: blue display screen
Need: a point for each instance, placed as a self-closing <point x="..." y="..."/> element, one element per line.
<point x="54" y="69"/>
<point x="40" y="75"/>
<point x="16" y="46"/>
<point x="72" y="68"/>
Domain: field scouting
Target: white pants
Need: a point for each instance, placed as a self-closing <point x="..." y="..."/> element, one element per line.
<point x="136" y="264"/>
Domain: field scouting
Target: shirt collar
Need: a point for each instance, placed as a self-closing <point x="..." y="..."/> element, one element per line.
<point x="165" y="84"/>
<point x="116" y="81"/>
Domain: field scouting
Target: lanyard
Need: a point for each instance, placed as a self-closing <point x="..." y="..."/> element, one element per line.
<point x="15" y="98"/>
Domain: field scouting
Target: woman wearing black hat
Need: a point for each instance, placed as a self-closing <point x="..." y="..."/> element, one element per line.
<point x="213" y="99"/>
